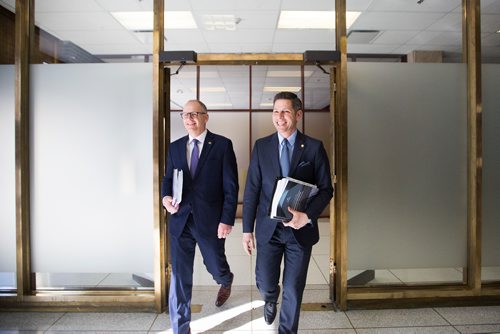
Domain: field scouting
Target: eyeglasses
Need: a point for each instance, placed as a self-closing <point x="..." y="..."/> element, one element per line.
<point x="194" y="114"/>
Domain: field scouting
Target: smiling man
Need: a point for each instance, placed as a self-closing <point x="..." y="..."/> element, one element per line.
<point x="288" y="152"/>
<point x="206" y="212"/>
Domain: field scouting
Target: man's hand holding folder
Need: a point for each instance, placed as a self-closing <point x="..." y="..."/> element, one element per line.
<point x="291" y="193"/>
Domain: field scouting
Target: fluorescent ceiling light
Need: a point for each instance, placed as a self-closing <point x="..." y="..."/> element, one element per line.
<point x="266" y="104"/>
<point x="312" y="19"/>
<point x="281" y="89"/>
<point x="288" y="74"/>
<point x="143" y="21"/>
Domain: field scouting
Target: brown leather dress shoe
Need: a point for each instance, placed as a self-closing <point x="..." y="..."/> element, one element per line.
<point x="223" y="294"/>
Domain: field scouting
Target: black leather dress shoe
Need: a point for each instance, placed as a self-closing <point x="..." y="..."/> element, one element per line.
<point x="269" y="312"/>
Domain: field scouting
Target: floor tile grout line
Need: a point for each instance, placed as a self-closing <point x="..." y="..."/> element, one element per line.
<point x="319" y="268"/>
<point x="52" y="325"/>
<point x="154" y="320"/>
<point x="442" y="316"/>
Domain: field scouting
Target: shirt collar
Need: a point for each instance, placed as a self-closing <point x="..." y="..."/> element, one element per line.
<point x="201" y="137"/>
<point x="290" y="139"/>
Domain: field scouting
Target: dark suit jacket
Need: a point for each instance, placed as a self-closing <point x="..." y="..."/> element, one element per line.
<point x="212" y="196"/>
<point x="309" y="163"/>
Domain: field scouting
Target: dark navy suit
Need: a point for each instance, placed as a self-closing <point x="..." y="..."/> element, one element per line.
<point x="309" y="163"/>
<point x="207" y="200"/>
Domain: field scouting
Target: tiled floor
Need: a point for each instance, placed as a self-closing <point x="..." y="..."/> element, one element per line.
<point x="243" y="314"/>
<point x="243" y="311"/>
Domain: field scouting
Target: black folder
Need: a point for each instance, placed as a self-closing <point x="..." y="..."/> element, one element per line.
<point x="289" y="192"/>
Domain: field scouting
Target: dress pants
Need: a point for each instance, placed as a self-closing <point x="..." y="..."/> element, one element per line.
<point x="267" y="272"/>
<point x="182" y="251"/>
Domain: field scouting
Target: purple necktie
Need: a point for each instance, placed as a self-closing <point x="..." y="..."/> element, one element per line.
<point x="194" y="157"/>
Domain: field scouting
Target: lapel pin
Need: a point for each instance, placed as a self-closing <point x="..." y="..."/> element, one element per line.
<point x="302" y="145"/>
<point x="209" y="143"/>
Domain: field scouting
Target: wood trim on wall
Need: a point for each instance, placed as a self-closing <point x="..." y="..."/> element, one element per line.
<point x="340" y="144"/>
<point x="161" y="140"/>
<point x="472" y="51"/>
<point x="23" y="35"/>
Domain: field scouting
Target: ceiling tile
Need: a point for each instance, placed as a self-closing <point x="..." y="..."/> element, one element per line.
<point x="490" y="6"/>
<point x="370" y="48"/>
<point x="491" y="40"/>
<point x="326" y="5"/>
<point x="301" y="47"/>
<point x="98" y="37"/>
<point x="125" y="5"/>
<point x="53" y="22"/>
<point x="234" y="5"/>
<point x="395" y="37"/>
<point x="42" y="6"/>
<point x="239" y="37"/>
<point x="442" y="6"/>
<point x="118" y="49"/>
<point x="191" y="36"/>
<point x="358" y="5"/>
<point x="428" y="38"/>
<point x="490" y="22"/>
<point x="299" y="36"/>
<point x="394" y="21"/>
<point x="449" y="22"/>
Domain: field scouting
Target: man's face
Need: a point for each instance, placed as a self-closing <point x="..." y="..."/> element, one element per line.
<point x="194" y="123"/>
<point x="285" y="118"/>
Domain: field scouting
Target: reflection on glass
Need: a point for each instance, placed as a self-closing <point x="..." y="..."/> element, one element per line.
<point x="7" y="179"/>
<point x="94" y="281"/>
<point x="421" y="31"/>
<point x="491" y="174"/>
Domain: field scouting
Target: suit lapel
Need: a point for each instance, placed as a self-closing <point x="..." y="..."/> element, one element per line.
<point x="298" y="149"/>
<point x="183" y="153"/>
<point x="273" y="150"/>
<point x="205" y="151"/>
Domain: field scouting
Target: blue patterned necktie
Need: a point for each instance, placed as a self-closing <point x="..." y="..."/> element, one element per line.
<point x="194" y="157"/>
<point x="285" y="158"/>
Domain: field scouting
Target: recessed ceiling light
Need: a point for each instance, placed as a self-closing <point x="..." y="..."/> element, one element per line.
<point x="220" y="22"/>
<point x="281" y="89"/>
<point x="313" y="19"/>
<point x="288" y="74"/>
<point x="143" y="21"/>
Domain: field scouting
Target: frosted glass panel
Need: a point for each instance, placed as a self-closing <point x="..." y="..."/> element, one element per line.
<point x="234" y="125"/>
<point x="407" y="165"/>
<point x="91" y="168"/>
<point x="317" y="125"/>
<point x="262" y="125"/>
<point x="491" y="166"/>
<point x="7" y="171"/>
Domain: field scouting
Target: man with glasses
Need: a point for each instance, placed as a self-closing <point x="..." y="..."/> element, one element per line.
<point x="206" y="212"/>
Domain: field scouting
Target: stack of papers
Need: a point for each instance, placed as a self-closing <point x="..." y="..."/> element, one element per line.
<point x="289" y="192"/>
<point x="177" y="180"/>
